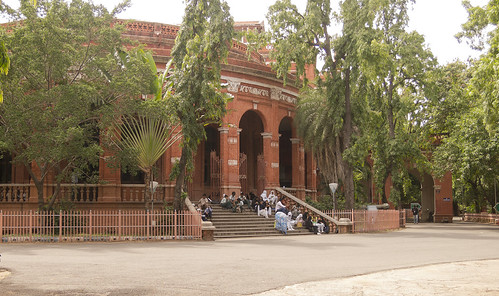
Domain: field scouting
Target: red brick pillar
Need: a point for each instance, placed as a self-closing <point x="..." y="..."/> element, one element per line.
<point x="111" y="177"/>
<point x="172" y="155"/>
<point x="229" y="160"/>
<point x="311" y="175"/>
<point x="271" y="161"/>
<point x="298" y="165"/>
<point x="443" y="199"/>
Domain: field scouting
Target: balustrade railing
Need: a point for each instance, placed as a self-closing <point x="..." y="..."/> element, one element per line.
<point x="14" y="193"/>
<point x="79" y="192"/>
<point x="136" y="192"/>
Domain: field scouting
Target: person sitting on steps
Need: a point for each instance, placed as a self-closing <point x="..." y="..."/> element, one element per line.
<point x="225" y="203"/>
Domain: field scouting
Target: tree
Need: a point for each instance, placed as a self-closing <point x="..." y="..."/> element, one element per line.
<point x="395" y="63"/>
<point x="300" y="39"/>
<point x="203" y="42"/>
<point x="149" y="129"/>
<point x="466" y="113"/>
<point x="66" y="83"/>
<point x="4" y="64"/>
<point x="148" y="139"/>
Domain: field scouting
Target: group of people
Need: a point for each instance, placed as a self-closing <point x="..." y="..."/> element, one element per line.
<point x="204" y="206"/>
<point x="287" y="212"/>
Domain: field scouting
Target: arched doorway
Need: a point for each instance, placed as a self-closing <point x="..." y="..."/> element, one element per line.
<point x="422" y="186"/>
<point x="285" y="153"/>
<point x="251" y="165"/>
<point x="206" y="175"/>
<point x="427" y="198"/>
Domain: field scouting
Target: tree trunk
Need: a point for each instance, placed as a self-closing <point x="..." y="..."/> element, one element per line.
<point x="179" y="184"/>
<point x="347" y="135"/>
<point x="54" y="196"/>
<point x="147" y="192"/>
<point x="39" y="189"/>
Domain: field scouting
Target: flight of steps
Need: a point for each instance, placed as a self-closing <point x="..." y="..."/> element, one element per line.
<point x="246" y="224"/>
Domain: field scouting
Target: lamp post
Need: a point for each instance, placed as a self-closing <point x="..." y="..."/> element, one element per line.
<point x="333" y="187"/>
<point x="153" y="185"/>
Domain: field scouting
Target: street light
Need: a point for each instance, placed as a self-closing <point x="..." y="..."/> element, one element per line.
<point x="333" y="187"/>
<point x="153" y="185"/>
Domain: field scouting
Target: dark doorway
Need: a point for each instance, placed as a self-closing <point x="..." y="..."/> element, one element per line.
<point x="285" y="153"/>
<point x="251" y="145"/>
<point x="5" y="168"/>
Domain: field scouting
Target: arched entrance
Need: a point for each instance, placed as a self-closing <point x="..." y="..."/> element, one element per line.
<point x="206" y="177"/>
<point x="285" y="153"/>
<point x="427" y="198"/>
<point x="251" y="163"/>
<point x="423" y="188"/>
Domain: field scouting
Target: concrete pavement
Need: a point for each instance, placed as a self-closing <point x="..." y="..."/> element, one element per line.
<point x="277" y="266"/>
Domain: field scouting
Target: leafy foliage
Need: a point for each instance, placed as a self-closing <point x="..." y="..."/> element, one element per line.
<point x="64" y="85"/>
<point x="203" y="42"/>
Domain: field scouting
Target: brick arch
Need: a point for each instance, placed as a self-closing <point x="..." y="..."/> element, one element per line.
<point x="261" y="115"/>
<point x="251" y="149"/>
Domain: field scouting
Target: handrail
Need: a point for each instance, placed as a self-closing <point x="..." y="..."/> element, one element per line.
<point x="205" y="225"/>
<point x="189" y="205"/>
<point x="309" y="207"/>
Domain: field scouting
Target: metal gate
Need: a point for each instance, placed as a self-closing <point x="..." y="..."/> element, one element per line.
<point x="215" y="176"/>
<point x="243" y="172"/>
<point x="260" y="167"/>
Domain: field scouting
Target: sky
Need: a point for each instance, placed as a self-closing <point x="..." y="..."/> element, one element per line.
<point x="437" y="20"/>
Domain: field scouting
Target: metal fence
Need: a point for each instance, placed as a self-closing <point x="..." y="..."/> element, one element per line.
<point x="371" y="221"/>
<point x="17" y="226"/>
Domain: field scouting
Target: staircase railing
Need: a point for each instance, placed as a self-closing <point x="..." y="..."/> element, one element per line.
<point x="309" y="207"/>
<point x="207" y="227"/>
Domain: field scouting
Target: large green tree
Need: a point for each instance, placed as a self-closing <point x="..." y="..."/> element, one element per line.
<point x="66" y="83"/>
<point x="395" y="63"/>
<point x="202" y="44"/>
<point x="300" y="39"/>
<point x="466" y="113"/>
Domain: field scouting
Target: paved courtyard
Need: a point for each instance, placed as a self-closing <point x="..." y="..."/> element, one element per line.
<point x="424" y="259"/>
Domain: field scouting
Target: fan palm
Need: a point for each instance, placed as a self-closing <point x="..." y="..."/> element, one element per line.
<point x="149" y="139"/>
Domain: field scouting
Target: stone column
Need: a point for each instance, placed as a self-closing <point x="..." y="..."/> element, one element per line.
<point x="311" y="174"/>
<point x="271" y="161"/>
<point x="229" y="159"/>
<point x="298" y="165"/>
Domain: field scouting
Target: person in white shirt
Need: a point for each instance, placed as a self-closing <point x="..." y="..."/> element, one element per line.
<point x="264" y="209"/>
<point x="280" y="207"/>
<point x="264" y="195"/>
<point x="291" y="222"/>
<point x="225" y="203"/>
<point x="272" y="197"/>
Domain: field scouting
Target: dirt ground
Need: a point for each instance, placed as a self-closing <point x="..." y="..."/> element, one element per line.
<point x="457" y="279"/>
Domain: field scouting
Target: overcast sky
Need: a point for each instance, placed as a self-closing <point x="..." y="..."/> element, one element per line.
<point x="437" y="20"/>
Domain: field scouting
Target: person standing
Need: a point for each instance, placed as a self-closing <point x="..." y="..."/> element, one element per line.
<point x="415" y="213"/>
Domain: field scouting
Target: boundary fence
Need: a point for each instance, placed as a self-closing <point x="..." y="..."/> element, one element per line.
<point x="29" y="226"/>
<point x="482" y="218"/>
<point x="371" y="221"/>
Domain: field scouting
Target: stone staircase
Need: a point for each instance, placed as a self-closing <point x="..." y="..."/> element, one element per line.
<point x="246" y="224"/>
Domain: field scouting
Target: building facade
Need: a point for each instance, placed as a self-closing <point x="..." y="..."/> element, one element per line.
<point x="255" y="148"/>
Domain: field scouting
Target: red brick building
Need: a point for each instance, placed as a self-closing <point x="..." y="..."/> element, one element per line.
<point x="255" y="148"/>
